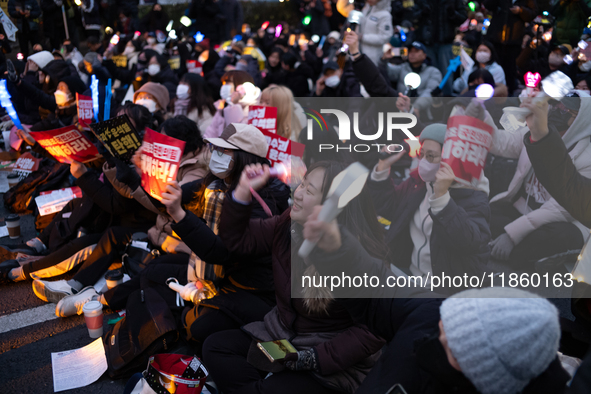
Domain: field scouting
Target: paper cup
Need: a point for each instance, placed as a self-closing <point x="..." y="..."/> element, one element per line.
<point x="13" y="224"/>
<point x="93" y="314"/>
<point x="114" y="278"/>
<point x="6" y="136"/>
<point x="13" y="180"/>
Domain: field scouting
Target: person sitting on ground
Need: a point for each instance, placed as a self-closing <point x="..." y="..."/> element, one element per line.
<point x="527" y="223"/>
<point x="334" y="353"/>
<point x="437" y="224"/>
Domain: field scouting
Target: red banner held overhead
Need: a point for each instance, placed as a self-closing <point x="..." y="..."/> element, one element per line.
<point x="467" y="142"/>
<point x="262" y="117"/>
<point x="66" y="144"/>
<point x="160" y="158"/>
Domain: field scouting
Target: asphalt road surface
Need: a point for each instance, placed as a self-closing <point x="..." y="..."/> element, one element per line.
<point x="30" y="332"/>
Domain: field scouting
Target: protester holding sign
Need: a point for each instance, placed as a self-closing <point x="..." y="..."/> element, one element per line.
<point x="435" y="224"/>
<point x="65" y="99"/>
<point x="67" y="145"/>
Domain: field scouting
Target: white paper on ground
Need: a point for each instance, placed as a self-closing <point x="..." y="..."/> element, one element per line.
<point x="3" y="231"/>
<point x="79" y="367"/>
<point x="4" y="186"/>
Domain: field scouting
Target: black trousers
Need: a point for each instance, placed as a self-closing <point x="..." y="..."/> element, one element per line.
<point x="507" y="56"/>
<point x="60" y="261"/>
<point x="155" y="276"/>
<point x="548" y="240"/>
<point x="107" y="251"/>
<point x="225" y="353"/>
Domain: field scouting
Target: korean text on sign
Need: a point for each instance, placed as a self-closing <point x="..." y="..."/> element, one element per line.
<point x="120" y="138"/>
<point x="160" y="160"/>
<point x="467" y="142"/>
<point x="66" y="144"/>
<point x="84" y="104"/>
<point x="281" y="149"/>
<point x="262" y="117"/>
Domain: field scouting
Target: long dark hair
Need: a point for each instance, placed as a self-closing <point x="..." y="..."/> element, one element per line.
<point x="241" y="159"/>
<point x="491" y="48"/>
<point x="201" y="97"/>
<point x="139" y="115"/>
<point x="184" y="129"/>
<point x="359" y="216"/>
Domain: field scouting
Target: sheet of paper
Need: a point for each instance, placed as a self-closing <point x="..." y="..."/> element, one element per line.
<point x="4" y="186"/>
<point x="3" y="231"/>
<point x="79" y="367"/>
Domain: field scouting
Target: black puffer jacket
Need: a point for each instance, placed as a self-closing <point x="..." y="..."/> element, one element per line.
<point x="439" y="20"/>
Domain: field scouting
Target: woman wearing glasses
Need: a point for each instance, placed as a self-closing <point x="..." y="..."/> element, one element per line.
<point x="436" y="225"/>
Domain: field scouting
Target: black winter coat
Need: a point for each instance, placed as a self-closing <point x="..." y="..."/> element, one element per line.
<point x="506" y="27"/>
<point x="439" y="20"/>
<point x="460" y="235"/>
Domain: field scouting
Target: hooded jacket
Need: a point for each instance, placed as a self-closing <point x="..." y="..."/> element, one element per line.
<point x="577" y="139"/>
<point x="375" y="28"/>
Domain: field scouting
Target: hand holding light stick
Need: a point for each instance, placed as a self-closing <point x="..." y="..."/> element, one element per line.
<point x="345" y="186"/>
<point x="412" y="81"/>
<point x="7" y="105"/>
<point x="95" y="97"/>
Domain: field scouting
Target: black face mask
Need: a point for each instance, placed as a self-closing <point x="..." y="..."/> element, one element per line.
<point x="432" y="358"/>
<point x="558" y="120"/>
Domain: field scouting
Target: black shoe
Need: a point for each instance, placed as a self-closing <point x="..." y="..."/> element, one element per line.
<point x="5" y="269"/>
<point x="22" y="248"/>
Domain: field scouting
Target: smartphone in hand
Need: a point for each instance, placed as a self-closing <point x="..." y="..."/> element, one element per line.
<point x="276" y="350"/>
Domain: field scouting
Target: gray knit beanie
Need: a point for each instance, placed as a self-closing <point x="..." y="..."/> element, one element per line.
<point x="435" y="132"/>
<point x="501" y="337"/>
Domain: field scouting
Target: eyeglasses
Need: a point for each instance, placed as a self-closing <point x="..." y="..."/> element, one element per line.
<point x="430" y="157"/>
<point x="220" y="151"/>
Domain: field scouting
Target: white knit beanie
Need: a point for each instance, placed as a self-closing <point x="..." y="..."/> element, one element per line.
<point x="502" y="338"/>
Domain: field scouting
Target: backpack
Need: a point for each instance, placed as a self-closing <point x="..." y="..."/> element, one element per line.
<point x="50" y="176"/>
<point x="148" y="328"/>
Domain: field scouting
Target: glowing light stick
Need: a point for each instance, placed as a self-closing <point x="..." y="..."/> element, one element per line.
<point x="95" y="97"/>
<point x="412" y="82"/>
<point x="453" y="66"/>
<point x="278" y="30"/>
<point x="531" y="81"/>
<point x="108" y="94"/>
<point x="7" y="104"/>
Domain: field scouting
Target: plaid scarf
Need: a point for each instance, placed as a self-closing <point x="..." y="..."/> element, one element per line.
<point x="213" y="200"/>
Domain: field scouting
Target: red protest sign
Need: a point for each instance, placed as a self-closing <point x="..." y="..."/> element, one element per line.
<point x="467" y="142"/>
<point x="160" y="159"/>
<point x="66" y="144"/>
<point x="26" y="164"/>
<point x="264" y="118"/>
<point x="84" y="105"/>
<point x="281" y="149"/>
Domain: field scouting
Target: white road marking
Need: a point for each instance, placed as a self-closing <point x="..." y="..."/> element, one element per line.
<point x="27" y="318"/>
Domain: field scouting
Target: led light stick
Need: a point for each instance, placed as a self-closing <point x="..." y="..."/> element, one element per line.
<point x="453" y="66"/>
<point x="531" y="81"/>
<point x="7" y="104"/>
<point x="345" y="186"/>
<point x="108" y="94"/>
<point x="412" y="81"/>
<point x="95" y="97"/>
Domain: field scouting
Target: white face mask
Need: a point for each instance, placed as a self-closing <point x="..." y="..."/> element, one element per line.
<point x="148" y="103"/>
<point x="555" y="60"/>
<point x="61" y="98"/>
<point x="128" y="51"/>
<point x="482" y="57"/>
<point x="428" y="170"/>
<point x="226" y="91"/>
<point x="585" y="67"/>
<point x="332" y="81"/>
<point x="182" y="92"/>
<point x="220" y="165"/>
<point x="153" y="69"/>
<point x="151" y="41"/>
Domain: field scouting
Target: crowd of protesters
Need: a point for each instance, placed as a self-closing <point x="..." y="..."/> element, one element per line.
<point x="227" y="226"/>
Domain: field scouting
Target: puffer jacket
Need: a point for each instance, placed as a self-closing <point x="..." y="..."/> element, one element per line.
<point x="439" y="20"/>
<point x="511" y="145"/>
<point x="375" y="27"/>
<point x="570" y="20"/>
